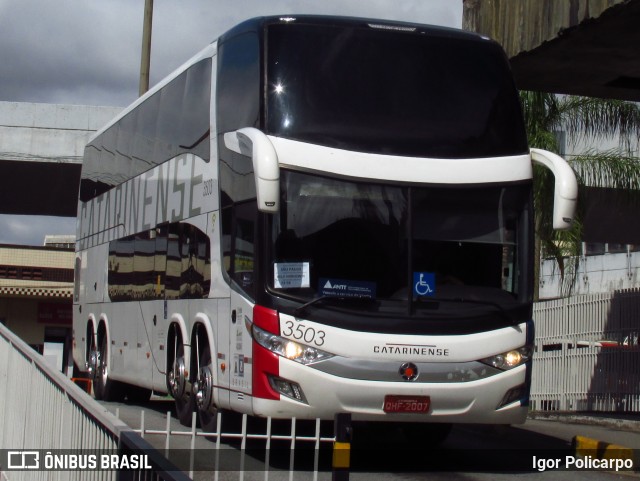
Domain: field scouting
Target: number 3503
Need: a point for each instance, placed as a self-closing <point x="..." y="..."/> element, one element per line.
<point x="301" y="332"/>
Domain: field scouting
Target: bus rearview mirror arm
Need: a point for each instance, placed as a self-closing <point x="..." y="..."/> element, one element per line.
<point x="253" y="143"/>
<point x="565" y="195"/>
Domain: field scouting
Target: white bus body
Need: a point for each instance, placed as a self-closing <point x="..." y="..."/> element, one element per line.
<point x="316" y="215"/>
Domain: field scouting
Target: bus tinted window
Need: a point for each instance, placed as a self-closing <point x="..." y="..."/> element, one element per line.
<point x="170" y="262"/>
<point x="413" y="94"/>
<point x="174" y="120"/>
<point x="472" y="239"/>
<point x="238" y="83"/>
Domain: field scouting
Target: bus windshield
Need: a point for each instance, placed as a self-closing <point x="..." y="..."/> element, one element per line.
<point x="374" y="240"/>
<point x="398" y="93"/>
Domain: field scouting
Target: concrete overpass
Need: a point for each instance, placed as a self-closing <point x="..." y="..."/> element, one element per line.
<point x="41" y="147"/>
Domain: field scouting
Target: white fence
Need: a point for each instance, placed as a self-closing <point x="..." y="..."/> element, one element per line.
<point x="587" y="356"/>
<point x="246" y="445"/>
<point x="37" y="414"/>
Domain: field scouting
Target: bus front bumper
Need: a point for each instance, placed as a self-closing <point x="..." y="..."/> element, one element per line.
<point x="478" y="401"/>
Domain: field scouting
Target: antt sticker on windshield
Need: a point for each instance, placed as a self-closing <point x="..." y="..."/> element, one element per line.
<point x="346" y="288"/>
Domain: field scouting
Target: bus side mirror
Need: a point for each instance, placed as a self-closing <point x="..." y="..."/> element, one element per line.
<point x="255" y="144"/>
<point x="565" y="195"/>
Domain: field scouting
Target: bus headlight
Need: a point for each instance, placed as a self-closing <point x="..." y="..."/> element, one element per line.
<point x="510" y="359"/>
<point x="287" y="348"/>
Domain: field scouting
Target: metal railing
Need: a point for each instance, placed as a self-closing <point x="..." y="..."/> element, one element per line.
<point x="587" y="356"/>
<point x="244" y="445"/>
<point x="51" y="429"/>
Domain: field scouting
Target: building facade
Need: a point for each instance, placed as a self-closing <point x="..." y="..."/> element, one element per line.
<point x="36" y="287"/>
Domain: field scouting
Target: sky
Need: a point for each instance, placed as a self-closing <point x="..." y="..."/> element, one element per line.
<point x="87" y="52"/>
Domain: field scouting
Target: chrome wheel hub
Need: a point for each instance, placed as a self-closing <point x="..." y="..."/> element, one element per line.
<point x="176" y="378"/>
<point x="203" y="388"/>
<point x="92" y="363"/>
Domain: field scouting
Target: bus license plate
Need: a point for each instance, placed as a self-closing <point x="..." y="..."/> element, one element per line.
<point x="406" y="404"/>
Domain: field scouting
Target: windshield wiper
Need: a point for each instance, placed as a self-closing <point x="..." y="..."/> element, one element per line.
<point x="299" y="311"/>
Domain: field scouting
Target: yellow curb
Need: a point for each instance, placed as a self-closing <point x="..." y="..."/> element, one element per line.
<point x="584" y="446"/>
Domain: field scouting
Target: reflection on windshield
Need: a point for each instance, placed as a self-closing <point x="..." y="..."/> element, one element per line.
<point x="467" y="238"/>
<point x="343" y="239"/>
<point x="344" y="231"/>
<point x="377" y="91"/>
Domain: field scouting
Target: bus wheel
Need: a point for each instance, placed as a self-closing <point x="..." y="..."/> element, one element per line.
<point x="105" y="389"/>
<point x="92" y="359"/>
<point x="176" y="383"/>
<point x="203" y="389"/>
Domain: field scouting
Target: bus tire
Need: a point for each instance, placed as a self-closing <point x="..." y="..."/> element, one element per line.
<point x="203" y="392"/>
<point x="176" y="383"/>
<point x="105" y="389"/>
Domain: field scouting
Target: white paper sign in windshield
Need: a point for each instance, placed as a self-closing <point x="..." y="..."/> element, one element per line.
<point x="291" y="275"/>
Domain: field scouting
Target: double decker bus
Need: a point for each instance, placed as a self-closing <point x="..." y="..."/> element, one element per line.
<point x="317" y="215"/>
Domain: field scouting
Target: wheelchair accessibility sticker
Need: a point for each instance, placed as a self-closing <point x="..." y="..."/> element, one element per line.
<point x="424" y="283"/>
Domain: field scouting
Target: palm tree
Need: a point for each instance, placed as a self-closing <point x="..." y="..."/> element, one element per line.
<point x="582" y="118"/>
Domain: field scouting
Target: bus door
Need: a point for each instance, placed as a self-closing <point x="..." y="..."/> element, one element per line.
<point x="241" y="315"/>
<point x="240" y="348"/>
<point x="144" y="282"/>
<point x="157" y="314"/>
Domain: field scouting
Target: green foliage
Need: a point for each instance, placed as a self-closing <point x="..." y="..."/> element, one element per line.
<point x="582" y="118"/>
<point x="593" y="118"/>
<point x="607" y="169"/>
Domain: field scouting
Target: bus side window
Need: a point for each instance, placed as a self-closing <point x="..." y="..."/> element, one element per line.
<point x="143" y="266"/>
<point x="195" y="262"/>
<point x="169" y="262"/>
<point x="160" y="272"/>
<point x="174" y="265"/>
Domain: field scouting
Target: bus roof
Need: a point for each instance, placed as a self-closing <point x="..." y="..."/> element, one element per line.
<point x="258" y="23"/>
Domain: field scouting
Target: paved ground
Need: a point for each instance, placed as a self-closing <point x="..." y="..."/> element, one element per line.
<point x="623" y="429"/>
